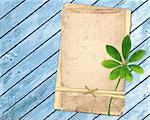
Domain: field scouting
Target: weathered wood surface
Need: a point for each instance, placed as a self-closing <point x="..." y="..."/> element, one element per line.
<point x="29" y="49"/>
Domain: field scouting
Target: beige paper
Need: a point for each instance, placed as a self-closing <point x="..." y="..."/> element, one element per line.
<point x="84" y="34"/>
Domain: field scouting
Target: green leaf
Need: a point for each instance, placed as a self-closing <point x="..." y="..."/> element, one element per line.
<point x="137" y="55"/>
<point x="114" y="74"/>
<point x="110" y="63"/>
<point x="122" y="72"/>
<point x="136" y="68"/>
<point x="126" y="46"/>
<point x="128" y="75"/>
<point x="113" y="52"/>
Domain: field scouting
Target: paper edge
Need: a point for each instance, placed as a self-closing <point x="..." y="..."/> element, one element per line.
<point x="57" y="98"/>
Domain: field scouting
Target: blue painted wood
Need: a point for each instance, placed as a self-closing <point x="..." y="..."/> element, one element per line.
<point x="108" y="3"/>
<point x="138" y="112"/>
<point x="147" y="118"/>
<point x="18" y="14"/>
<point x="137" y="17"/>
<point x="130" y="4"/>
<point x="32" y="99"/>
<point x="42" y="112"/>
<point x="23" y="89"/>
<point x="38" y="38"/>
<point x="30" y="63"/>
<point x="30" y="24"/>
<point x="142" y="11"/>
<point x="7" y="5"/>
<point x="30" y="82"/>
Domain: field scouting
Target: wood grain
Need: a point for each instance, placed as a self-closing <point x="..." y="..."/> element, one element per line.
<point x="34" y="93"/>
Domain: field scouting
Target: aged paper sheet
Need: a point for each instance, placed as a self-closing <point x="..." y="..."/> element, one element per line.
<point x="84" y="34"/>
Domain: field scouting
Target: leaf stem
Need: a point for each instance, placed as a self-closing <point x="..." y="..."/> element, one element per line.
<point x="112" y="97"/>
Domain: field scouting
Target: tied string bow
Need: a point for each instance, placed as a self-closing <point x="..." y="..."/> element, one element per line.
<point x="90" y="91"/>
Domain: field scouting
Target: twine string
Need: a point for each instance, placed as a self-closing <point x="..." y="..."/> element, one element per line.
<point x="93" y="92"/>
<point x="90" y="91"/>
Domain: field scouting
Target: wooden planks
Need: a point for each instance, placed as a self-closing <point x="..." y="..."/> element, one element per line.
<point x="8" y="5"/>
<point x="17" y="16"/>
<point x="31" y="82"/>
<point x="29" y="85"/>
<point x="26" y="29"/>
<point x="138" y="111"/>
<point x="147" y="117"/>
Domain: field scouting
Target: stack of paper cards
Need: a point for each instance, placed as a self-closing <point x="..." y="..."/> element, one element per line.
<point x="82" y="82"/>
